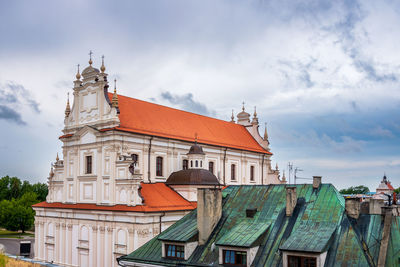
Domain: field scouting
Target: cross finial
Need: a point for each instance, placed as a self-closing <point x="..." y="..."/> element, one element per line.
<point x="232" y="117"/>
<point x="115" y="84"/>
<point x="78" y="75"/>
<point x="255" y="111"/>
<point x="90" y="57"/>
<point x="243" y="105"/>
<point x="195" y="137"/>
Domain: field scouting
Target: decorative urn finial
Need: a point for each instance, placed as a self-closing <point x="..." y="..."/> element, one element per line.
<point x="68" y="108"/>
<point x="102" y="68"/>
<point x="115" y="96"/>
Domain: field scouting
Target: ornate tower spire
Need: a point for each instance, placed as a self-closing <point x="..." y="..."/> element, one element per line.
<point x="78" y="75"/>
<point x="255" y="119"/>
<point x="102" y="68"/>
<point x="90" y="57"/>
<point x="115" y="96"/>
<point x="266" y="133"/>
<point x="68" y="108"/>
<point x="57" y="158"/>
<point x="284" y="177"/>
<point x="232" y="117"/>
<point x="276" y="166"/>
<point x="243" y="106"/>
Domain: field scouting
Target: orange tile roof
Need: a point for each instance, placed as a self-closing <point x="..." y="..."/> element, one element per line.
<point x="157" y="198"/>
<point x="152" y="119"/>
<point x="389" y="185"/>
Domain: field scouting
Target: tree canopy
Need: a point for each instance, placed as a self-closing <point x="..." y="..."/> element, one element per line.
<point x="361" y="189"/>
<point x="16" y="200"/>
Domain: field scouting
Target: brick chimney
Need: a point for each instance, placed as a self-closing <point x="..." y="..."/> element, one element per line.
<point x="316" y="181"/>
<point x="291" y="200"/>
<point x="352" y="206"/>
<point x="209" y="211"/>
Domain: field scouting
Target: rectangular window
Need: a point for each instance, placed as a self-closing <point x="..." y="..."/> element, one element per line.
<point x="233" y="172"/>
<point x="232" y="257"/>
<point x="185" y="164"/>
<point x="175" y="251"/>
<point x="159" y="166"/>
<point x="251" y="173"/>
<point x="88" y="164"/>
<point x="211" y="167"/>
<point x="300" y="261"/>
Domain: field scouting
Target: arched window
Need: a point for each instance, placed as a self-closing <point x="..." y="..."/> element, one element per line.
<point x="211" y="167"/>
<point x="197" y="163"/>
<point x="201" y="163"/>
<point x="251" y="173"/>
<point x="185" y="164"/>
<point x="233" y="172"/>
<point x="159" y="166"/>
<point x="191" y="163"/>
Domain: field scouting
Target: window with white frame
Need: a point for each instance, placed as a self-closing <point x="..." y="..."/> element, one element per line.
<point x="159" y="166"/>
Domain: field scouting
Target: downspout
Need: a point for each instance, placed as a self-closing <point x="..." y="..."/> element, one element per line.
<point x="159" y="232"/>
<point x="148" y="160"/>
<point x="224" y="163"/>
<point x="262" y="170"/>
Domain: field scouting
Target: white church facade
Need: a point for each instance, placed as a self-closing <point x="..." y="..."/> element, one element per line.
<point x="107" y="195"/>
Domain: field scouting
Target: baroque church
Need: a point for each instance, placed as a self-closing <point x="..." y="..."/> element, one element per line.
<point x="131" y="168"/>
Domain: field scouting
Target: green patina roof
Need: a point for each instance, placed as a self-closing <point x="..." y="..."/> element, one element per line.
<point x="184" y="230"/>
<point x="310" y="237"/>
<point x="319" y="214"/>
<point x="244" y="234"/>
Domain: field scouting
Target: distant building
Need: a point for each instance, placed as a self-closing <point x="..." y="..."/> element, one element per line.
<point x="384" y="190"/>
<point x="276" y="225"/>
<point x="107" y="193"/>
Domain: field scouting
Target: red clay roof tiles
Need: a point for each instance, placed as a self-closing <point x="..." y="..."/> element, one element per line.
<point x="152" y="119"/>
<point x="157" y="197"/>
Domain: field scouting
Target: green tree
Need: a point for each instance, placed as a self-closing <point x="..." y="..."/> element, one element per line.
<point x="28" y="199"/>
<point x="15" y="216"/>
<point x="41" y="191"/>
<point x="397" y="191"/>
<point x="15" y="187"/>
<point x="361" y="189"/>
<point x="5" y="188"/>
<point x="26" y="187"/>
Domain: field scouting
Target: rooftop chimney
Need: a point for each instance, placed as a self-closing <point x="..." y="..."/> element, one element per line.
<point x="375" y="206"/>
<point x="316" y="181"/>
<point x="388" y="213"/>
<point x="209" y="211"/>
<point x="291" y="199"/>
<point x="352" y="206"/>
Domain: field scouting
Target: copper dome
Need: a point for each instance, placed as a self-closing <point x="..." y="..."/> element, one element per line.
<point x="196" y="149"/>
<point x="192" y="177"/>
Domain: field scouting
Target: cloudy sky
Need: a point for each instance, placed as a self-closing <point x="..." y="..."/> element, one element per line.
<point x="324" y="75"/>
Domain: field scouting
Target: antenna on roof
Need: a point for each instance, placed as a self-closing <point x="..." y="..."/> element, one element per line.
<point x="290" y="167"/>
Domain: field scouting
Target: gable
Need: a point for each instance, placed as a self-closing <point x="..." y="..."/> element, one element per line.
<point x="88" y="138"/>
